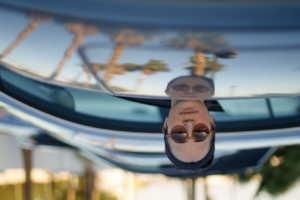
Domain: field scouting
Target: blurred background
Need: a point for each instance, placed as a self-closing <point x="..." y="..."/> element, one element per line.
<point x="82" y="98"/>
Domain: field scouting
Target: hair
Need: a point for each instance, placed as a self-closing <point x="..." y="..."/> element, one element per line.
<point x="209" y="80"/>
<point x="207" y="165"/>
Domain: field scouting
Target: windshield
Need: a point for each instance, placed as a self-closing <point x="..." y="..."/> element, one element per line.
<point x="100" y="110"/>
<point x="140" y="100"/>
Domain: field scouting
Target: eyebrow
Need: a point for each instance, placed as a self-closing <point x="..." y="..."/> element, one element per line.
<point x="179" y="142"/>
<point x="194" y="141"/>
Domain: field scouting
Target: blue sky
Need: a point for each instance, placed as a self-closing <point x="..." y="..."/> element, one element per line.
<point x="251" y="72"/>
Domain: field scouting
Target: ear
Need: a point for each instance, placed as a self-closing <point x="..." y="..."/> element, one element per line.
<point x="165" y="124"/>
<point x="212" y="122"/>
<point x="167" y="93"/>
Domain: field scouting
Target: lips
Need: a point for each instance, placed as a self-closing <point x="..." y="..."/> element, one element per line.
<point x="188" y="112"/>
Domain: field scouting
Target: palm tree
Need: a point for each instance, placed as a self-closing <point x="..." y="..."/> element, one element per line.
<point x="225" y="54"/>
<point x="80" y="31"/>
<point x="149" y="68"/>
<point x="201" y="43"/>
<point x="88" y="73"/>
<point x="117" y="70"/>
<point x="27" y="157"/>
<point x="278" y="178"/>
<point x="211" y="66"/>
<point x="36" y="19"/>
<point x="152" y="67"/>
<point x="122" y="39"/>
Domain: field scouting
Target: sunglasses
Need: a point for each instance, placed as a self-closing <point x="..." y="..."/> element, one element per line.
<point x="180" y="134"/>
<point x="185" y="87"/>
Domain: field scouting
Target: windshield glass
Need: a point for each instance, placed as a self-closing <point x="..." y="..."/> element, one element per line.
<point x="89" y="103"/>
<point x="137" y="64"/>
<point x="100" y="106"/>
<point x="198" y="93"/>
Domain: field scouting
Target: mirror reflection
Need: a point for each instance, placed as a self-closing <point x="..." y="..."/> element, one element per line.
<point x="189" y="130"/>
<point x="106" y="100"/>
<point x="137" y="60"/>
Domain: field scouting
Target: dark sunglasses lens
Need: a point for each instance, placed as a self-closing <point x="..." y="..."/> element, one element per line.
<point x="200" y="135"/>
<point x="178" y="136"/>
<point x="200" y="88"/>
<point x="180" y="87"/>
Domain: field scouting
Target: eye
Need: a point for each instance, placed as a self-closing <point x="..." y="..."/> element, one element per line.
<point x="178" y="133"/>
<point x="201" y="133"/>
<point x="178" y="136"/>
<point x="180" y="87"/>
<point x="201" y="88"/>
<point x="183" y="132"/>
<point x="201" y="128"/>
<point x="200" y="140"/>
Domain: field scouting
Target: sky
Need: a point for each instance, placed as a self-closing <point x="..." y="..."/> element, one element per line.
<point x="250" y="73"/>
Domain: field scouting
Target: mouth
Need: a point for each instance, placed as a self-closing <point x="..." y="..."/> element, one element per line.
<point x="189" y="95"/>
<point x="189" y="112"/>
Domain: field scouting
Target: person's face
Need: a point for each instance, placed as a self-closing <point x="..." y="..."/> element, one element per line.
<point x="189" y="114"/>
<point x="190" y="88"/>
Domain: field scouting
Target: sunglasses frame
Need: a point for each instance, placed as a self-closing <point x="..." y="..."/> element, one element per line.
<point x="208" y="88"/>
<point x="187" y="137"/>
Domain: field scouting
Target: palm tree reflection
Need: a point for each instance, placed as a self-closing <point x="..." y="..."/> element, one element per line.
<point x="203" y="43"/>
<point x="36" y="20"/>
<point x="122" y="39"/>
<point x="80" y="31"/>
<point x="152" y="67"/>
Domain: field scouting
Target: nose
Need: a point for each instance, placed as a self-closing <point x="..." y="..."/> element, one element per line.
<point x="188" y="121"/>
<point x="190" y="90"/>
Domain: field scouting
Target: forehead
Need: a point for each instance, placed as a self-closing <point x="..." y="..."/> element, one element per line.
<point x="191" y="151"/>
<point x="191" y="81"/>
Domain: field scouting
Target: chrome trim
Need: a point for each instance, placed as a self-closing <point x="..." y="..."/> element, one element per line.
<point x="52" y="82"/>
<point x="101" y="84"/>
<point x="211" y="98"/>
<point x="18" y="130"/>
<point x="98" y="140"/>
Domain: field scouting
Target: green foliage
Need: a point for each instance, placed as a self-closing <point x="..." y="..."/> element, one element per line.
<point x="279" y="179"/>
<point x="97" y="66"/>
<point x="107" y="196"/>
<point x="156" y="65"/>
<point x="132" y="67"/>
<point x="146" y="34"/>
<point x="7" y="192"/>
<point x="243" y="178"/>
<point x="153" y="65"/>
<point x="56" y="190"/>
<point x="211" y="39"/>
<point x="211" y="65"/>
